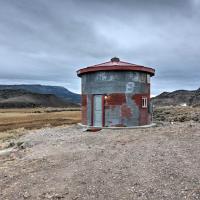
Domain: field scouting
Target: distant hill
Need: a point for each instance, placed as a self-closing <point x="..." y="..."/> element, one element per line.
<point x="178" y="97"/>
<point x="24" y="99"/>
<point x="60" y="92"/>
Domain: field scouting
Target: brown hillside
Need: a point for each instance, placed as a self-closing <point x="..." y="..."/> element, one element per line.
<point x="25" y="99"/>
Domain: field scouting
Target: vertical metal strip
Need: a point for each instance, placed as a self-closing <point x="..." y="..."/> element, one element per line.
<point x="103" y="110"/>
<point x="92" y="110"/>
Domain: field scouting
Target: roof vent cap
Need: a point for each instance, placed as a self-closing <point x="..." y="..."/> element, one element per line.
<point x="115" y="59"/>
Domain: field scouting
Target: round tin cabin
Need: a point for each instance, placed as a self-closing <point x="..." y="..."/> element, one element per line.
<point x="116" y="94"/>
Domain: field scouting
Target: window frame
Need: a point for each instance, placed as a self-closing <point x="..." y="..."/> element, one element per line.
<point x="144" y="102"/>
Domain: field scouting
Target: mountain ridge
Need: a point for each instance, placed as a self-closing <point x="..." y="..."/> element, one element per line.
<point x="58" y="91"/>
<point x="10" y="98"/>
<point x="178" y="97"/>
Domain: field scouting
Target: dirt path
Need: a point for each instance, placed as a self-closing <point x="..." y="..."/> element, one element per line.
<point x="66" y="163"/>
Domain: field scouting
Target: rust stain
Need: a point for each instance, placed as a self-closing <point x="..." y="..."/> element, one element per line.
<point x="143" y="117"/>
<point x="119" y="125"/>
<point x="137" y="98"/>
<point x="143" y="112"/>
<point x="126" y="111"/>
<point x="84" y="109"/>
<point x="115" y="99"/>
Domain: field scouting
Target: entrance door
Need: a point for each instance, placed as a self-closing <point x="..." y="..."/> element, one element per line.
<point x="97" y="115"/>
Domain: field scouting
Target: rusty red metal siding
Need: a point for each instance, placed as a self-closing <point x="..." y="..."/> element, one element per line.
<point x="144" y="115"/>
<point x="143" y="120"/>
<point x="126" y="111"/>
<point x="119" y="101"/>
<point x="84" y="109"/>
<point x="115" y="99"/>
<point x="137" y="98"/>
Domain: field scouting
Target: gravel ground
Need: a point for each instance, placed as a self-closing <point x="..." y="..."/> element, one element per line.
<point x="66" y="163"/>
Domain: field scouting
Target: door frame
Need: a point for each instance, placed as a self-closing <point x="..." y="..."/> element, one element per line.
<point x="102" y="107"/>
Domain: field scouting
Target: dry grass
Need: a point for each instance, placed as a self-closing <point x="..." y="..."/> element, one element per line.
<point x="13" y="121"/>
<point x="177" y="114"/>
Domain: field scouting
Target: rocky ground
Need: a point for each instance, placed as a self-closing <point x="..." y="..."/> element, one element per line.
<point x="157" y="163"/>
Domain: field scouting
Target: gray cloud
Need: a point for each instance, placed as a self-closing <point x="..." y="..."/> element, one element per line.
<point x="46" y="41"/>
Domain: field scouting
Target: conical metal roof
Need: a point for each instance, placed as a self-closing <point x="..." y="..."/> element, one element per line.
<point x="115" y="64"/>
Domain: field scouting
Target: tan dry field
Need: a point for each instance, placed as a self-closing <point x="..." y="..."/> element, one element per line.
<point x="14" y="121"/>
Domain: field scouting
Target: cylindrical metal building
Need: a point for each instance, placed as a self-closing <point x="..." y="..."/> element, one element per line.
<point x="116" y="94"/>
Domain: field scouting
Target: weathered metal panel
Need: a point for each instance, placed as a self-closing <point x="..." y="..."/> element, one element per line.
<point x="112" y="118"/>
<point x="97" y="116"/>
<point x="121" y="110"/>
<point x="134" y="119"/>
<point x="89" y="110"/>
<point x="113" y="82"/>
<point x="145" y="113"/>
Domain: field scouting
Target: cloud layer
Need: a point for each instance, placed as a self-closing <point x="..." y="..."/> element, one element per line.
<point x="46" y="41"/>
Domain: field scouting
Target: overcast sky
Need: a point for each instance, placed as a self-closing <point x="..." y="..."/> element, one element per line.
<point x="46" y="41"/>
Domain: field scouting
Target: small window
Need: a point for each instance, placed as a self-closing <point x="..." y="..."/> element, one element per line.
<point x="144" y="102"/>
